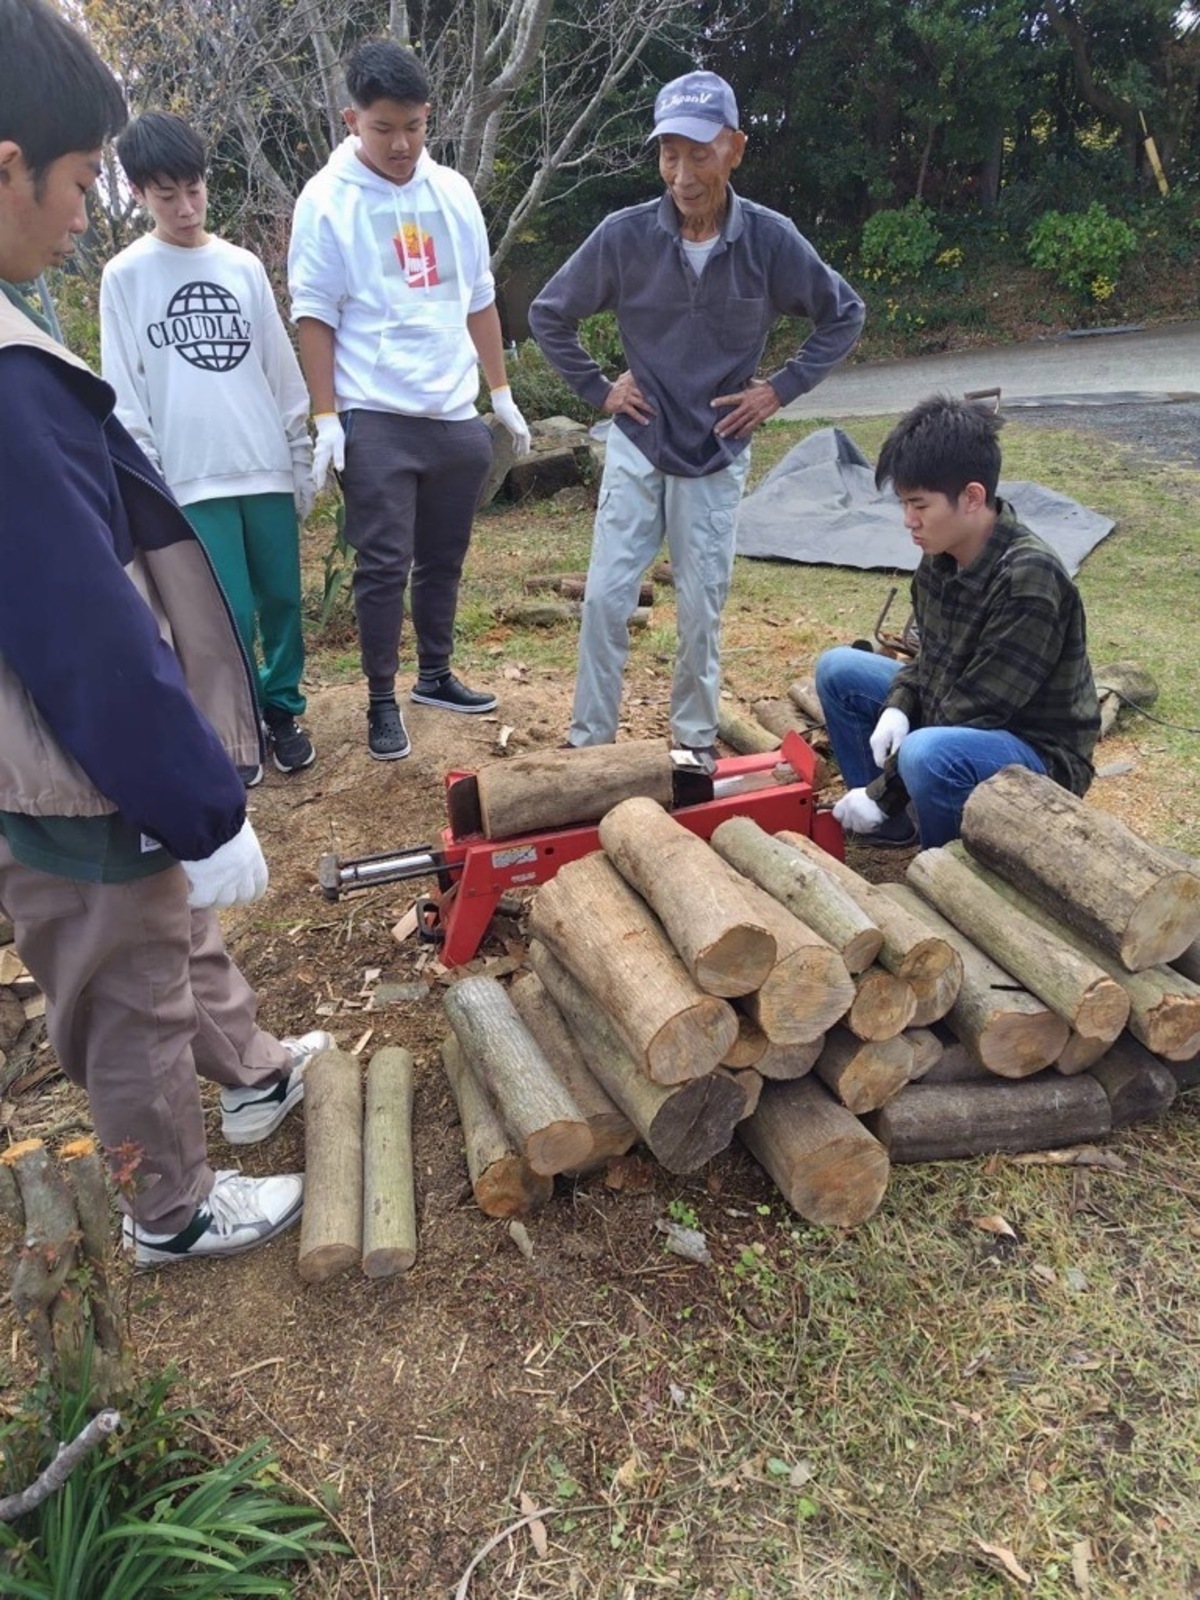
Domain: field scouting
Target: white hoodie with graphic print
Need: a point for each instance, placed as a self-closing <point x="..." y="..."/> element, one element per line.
<point x="395" y="270"/>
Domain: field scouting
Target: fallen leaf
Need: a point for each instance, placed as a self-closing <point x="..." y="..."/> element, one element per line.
<point x="629" y="1472"/>
<point x="537" y="1528"/>
<point x="994" y="1223"/>
<point x="1008" y="1561"/>
<point x="1081" y="1555"/>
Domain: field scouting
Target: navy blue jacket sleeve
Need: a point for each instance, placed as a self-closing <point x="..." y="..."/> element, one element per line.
<point x="78" y="634"/>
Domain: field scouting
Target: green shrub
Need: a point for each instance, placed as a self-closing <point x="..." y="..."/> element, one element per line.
<point x="899" y="244"/>
<point x="1084" y="250"/>
<point x="538" y="389"/>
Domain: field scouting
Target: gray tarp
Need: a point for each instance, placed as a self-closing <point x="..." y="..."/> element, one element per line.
<point x="820" y="504"/>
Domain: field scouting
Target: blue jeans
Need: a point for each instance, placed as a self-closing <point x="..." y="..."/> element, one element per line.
<point x="938" y="766"/>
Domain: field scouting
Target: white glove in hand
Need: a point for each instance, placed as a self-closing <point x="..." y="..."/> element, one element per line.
<point x="330" y="448"/>
<point x="890" y="733"/>
<point x="305" y="493"/>
<point x="505" y="408"/>
<point x="858" y="812"/>
<point x="234" y="874"/>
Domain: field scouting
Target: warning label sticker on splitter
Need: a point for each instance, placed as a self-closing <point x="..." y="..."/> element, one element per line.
<point x="514" y="857"/>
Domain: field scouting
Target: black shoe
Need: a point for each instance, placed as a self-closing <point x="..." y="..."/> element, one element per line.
<point x="251" y="776"/>
<point x="893" y="833"/>
<point x="387" y="737"/>
<point x="448" y="694"/>
<point x="291" y="748"/>
<point x="706" y="754"/>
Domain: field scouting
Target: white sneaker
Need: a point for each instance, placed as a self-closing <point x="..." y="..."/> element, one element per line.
<point x="249" y="1115"/>
<point x="238" y="1214"/>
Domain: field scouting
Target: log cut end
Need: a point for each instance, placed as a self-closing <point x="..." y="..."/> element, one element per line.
<point x="1019" y="1043"/>
<point x="843" y="1184"/>
<point x="736" y="962"/>
<point x="696" y="1123"/>
<point x="559" y="1147"/>
<point x="510" y="1187"/>
<point x="692" y="1042"/>
<point x="1164" y="923"/>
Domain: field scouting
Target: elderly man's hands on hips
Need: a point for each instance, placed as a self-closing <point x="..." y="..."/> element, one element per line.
<point x="626" y="399"/>
<point x="750" y="407"/>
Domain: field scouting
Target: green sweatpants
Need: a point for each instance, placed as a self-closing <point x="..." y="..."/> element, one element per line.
<point x="253" y="542"/>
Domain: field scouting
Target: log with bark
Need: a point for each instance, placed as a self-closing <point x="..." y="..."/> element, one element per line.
<point x="950" y="1121"/>
<point x="808" y="989"/>
<point x="83" y="1167"/>
<point x="1083" y="994"/>
<point x="611" y="1130"/>
<point x="610" y="939"/>
<point x="740" y="732"/>
<point x="803" y="886"/>
<point x="927" y="1051"/>
<point x="502" y="1181"/>
<point x="864" y="1075"/>
<point x="931" y="967"/>
<point x="555" y="788"/>
<point x="684" y="1126"/>
<point x="684" y="882"/>
<point x="1013" y="1033"/>
<point x="1091" y="871"/>
<point x="331" y="1227"/>
<point x="827" y="1166"/>
<point x="803" y="695"/>
<point x="883" y="1005"/>
<point x="1139" y="1086"/>
<point x="552" y="1132"/>
<point x="555" y="613"/>
<point x="389" y="1234"/>
<point x="1164" y="1006"/>
<point x="781" y="717"/>
<point x="1078" y="1054"/>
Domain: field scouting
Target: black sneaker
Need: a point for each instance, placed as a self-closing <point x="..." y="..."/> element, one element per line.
<point x="893" y="833"/>
<point x="387" y="737"/>
<point x="291" y="748"/>
<point x="448" y="694"/>
<point x="251" y="776"/>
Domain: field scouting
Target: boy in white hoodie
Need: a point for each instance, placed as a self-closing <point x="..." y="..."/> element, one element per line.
<point x="393" y="295"/>
<point x="208" y="384"/>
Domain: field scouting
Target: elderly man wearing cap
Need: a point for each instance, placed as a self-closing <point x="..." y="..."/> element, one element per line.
<point x="696" y="279"/>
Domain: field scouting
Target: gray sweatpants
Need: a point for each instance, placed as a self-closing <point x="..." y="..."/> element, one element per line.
<point x="140" y="997"/>
<point x="410" y="485"/>
<point x="639" y="505"/>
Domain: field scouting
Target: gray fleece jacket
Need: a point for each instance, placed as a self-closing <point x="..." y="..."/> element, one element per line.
<point x="688" y="339"/>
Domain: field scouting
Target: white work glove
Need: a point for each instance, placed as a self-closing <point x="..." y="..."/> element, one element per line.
<point x="890" y="733"/>
<point x="505" y="407"/>
<point x="234" y="874"/>
<point x="304" y="493"/>
<point x="857" y="812"/>
<point x="330" y="448"/>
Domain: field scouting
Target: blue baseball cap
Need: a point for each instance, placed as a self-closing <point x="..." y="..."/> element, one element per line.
<point x="696" y="106"/>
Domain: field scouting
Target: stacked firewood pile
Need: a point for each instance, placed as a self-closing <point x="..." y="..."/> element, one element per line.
<point x="683" y="992"/>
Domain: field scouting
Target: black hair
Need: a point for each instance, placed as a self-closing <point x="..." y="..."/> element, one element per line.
<point x="379" y="69"/>
<point x="57" y="97"/>
<point x="942" y="445"/>
<point x="159" y="146"/>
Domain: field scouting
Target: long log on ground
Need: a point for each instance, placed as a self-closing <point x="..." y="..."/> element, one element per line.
<point x="1078" y="1054"/>
<point x="1012" y="1033"/>
<point x="83" y="1168"/>
<point x="927" y="1051"/>
<point x="741" y="732"/>
<point x="780" y="717"/>
<point x="808" y="989"/>
<point x="1164" y="1006"/>
<point x="828" y="1168"/>
<point x="683" y="1127"/>
<point x="331" y="1227"/>
<point x="551" y="1129"/>
<point x="781" y="1062"/>
<point x="705" y="914"/>
<point x="502" y="1181"/>
<point x="1095" y="874"/>
<point x="553" y="788"/>
<point x="950" y="1121"/>
<point x="610" y="939"/>
<point x="573" y="585"/>
<point x="803" y="695"/>
<point x="931" y="967"/>
<point x="749" y="1047"/>
<point x="864" y="1075"/>
<point x="1079" y="991"/>
<point x="389" y="1243"/>
<point x="1139" y="1086"/>
<point x="883" y="1005"/>
<point x="611" y="1130"/>
<point x="751" y="1085"/>
<point x="803" y="886"/>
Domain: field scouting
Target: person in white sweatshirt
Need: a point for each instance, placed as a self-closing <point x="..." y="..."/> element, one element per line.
<point x="207" y="382"/>
<point x="395" y="303"/>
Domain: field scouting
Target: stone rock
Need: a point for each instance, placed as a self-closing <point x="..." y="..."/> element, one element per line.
<point x="541" y="475"/>
<point x="557" y="429"/>
<point x="575" y="498"/>
<point x="503" y="457"/>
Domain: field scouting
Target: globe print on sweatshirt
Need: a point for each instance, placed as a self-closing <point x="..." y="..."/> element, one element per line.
<point x="205" y="377"/>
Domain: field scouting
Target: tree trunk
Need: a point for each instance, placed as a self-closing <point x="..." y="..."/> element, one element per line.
<point x="742" y="733"/>
<point x="949" y="1121"/>
<point x="684" y="882"/>
<point x="389" y="1243"/>
<point x="827" y="1166"/>
<point x="1013" y="1034"/>
<point x="1139" y="1087"/>
<point x="551" y="1129"/>
<point x="84" y="1170"/>
<point x="611" y="1130"/>
<point x="684" y="1127"/>
<point x="883" y="1006"/>
<point x="802" y="886"/>
<point x="502" y="1181"/>
<point x="910" y="950"/>
<point x="606" y="934"/>
<point x="808" y="989"/>
<point x="1087" y="868"/>
<point x="1080" y="992"/>
<point x="864" y="1076"/>
<point x="554" y="788"/>
<point x="780" y="717"/>
<point x="927" y="1051"/>
<point x="331" y="1228"/>
<point x="1164" y="1006"/>
<point x="803" y="695"/>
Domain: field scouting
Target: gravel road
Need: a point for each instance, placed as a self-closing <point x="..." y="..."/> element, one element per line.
<point x="1169" y="431"/>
